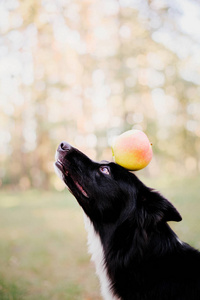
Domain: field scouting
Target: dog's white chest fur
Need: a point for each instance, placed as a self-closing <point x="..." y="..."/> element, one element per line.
<point x="97" y="256"/>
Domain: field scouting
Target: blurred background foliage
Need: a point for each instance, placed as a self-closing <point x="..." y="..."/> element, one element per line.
<point x="85" y="71"/>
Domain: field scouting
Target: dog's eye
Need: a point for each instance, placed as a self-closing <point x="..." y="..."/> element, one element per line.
<point x="105" y="170"/>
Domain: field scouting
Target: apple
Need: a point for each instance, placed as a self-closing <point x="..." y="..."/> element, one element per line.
<point x="132" y="150"/>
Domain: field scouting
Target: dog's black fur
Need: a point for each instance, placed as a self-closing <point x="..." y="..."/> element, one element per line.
<point x="144" y="258"/>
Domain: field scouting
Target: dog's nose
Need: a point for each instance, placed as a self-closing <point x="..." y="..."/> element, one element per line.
<point x="64" y="147"/>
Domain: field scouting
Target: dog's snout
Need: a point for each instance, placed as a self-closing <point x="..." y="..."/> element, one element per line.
<point x="64" y="147"/>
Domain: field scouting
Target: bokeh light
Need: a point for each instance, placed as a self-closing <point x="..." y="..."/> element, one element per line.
<point x="86" y="71"/>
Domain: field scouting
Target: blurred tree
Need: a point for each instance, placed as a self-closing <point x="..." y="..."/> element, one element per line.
<point x="85" y="71"/>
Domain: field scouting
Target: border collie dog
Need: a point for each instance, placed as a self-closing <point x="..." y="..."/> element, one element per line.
<point x="136" y="254"/>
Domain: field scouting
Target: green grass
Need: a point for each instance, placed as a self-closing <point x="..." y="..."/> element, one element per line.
<point x="43" y="251"/>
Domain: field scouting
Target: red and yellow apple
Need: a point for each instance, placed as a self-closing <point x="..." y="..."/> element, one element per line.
<point x="132" y="150"/>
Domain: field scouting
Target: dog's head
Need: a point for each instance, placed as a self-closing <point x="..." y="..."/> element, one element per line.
<point x="108" y="192"/>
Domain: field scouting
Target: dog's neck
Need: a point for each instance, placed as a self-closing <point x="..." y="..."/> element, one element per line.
<point x="95" y="248"/>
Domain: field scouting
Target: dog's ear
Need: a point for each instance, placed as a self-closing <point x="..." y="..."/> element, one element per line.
<point x="157" y="207"/>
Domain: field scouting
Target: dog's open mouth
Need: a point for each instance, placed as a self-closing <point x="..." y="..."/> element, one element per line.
<point x="70" y="180"/>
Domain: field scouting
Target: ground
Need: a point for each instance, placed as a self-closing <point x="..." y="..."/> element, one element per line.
<point x="43" y="248"/>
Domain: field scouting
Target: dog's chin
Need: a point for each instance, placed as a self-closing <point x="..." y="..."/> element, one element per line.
<point x="58" y="170"/>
